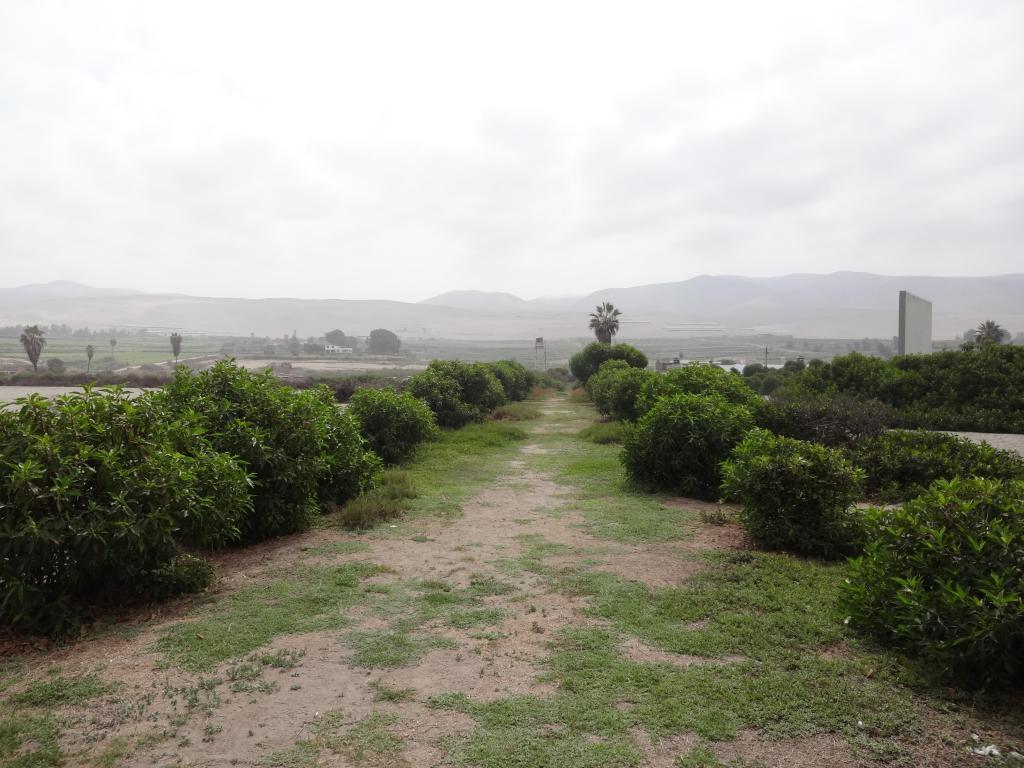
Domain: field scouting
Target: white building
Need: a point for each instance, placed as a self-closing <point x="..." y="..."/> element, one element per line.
<point x="334" y="349"/>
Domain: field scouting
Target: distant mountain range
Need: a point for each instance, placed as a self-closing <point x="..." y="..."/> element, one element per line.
<point x="836" y="305"/>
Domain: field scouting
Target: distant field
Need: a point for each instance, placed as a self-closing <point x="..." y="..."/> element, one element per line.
<point x="129" y="351"/>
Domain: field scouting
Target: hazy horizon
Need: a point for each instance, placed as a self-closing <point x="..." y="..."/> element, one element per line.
<point x="402" y="150"/>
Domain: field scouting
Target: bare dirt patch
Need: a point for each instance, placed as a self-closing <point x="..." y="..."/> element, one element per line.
<point x="809" y="752"/>
<point x="641" y="652"/>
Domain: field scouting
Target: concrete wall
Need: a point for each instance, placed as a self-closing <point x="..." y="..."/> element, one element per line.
<point x="915" y="336"/>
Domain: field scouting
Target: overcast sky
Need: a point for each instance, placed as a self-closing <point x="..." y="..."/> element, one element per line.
<point x="397" y="150"/>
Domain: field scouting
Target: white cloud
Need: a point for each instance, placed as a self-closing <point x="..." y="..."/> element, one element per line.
<point x="396" y="150"/>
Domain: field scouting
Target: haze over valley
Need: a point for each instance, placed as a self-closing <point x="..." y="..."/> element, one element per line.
<point x="849" y="305"/>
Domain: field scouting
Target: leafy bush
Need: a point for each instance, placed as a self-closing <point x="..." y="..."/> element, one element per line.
<point x="97" y="494"/>
<point x="838" y="421"/>
<point x="442" y="395"/>
<point x="981" y="390"/>
<point x="585" y="363"/>
<point x="902" y="464"/>
<point x="302" y="451"/>
<point x="458" y="392"/>
<point x="943" y="577"/>
<point x="697" y="379"/>
<point x="516" y="380"/>
<point x="794" y="495"/>
<point x="392" y="423"/>
<point x="597" y="384"/>
<point x="680" y="442"/>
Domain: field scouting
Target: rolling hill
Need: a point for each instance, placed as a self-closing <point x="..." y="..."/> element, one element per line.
<point x="836" y="305"/>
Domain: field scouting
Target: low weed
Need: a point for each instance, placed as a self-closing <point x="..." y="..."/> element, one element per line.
<point x="383" y="692"/>
<point x="57" y="689"/>
<point x="369" y="742"/>
<point x="516" y="412"/>
<point x="384" y="649"/>
<point x="388" y="500"/>
<point x="602" y="432"/>
<point x="306" y="601"/>
<point x="29" y="741"/>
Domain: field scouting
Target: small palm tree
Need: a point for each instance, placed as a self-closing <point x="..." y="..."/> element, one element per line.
<point x="90" y="350"/>
<point x="113" y="343"/>
<point x="33" y="342"/>
<point x="176" y="345"/>
<point x="990" y="332"/>
<point x="605" y="322"/>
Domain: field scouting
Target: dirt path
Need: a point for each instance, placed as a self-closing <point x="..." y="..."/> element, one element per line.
<point x="461" y="606"/>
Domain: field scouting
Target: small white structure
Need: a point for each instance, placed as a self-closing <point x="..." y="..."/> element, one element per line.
<point x="334" y="349"/>
<point x="915" y="336"/>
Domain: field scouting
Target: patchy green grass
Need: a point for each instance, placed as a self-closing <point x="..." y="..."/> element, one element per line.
<point x="602" y="432"/>
<point x="611" y="507"/>
<point x="744" y="606"/>
<point x="369" y="742"/>
<point x="516" y="412"/>
<point x="29" y="740"/>
<point x="308" y="600"/>
<point x="392" y="648"/>
<point x="465" y="618"/>
<point x="55" y="690"/>
<point x="774" y="614"/>
<point x="384" y="692"/>
<point x="439" y="479"/>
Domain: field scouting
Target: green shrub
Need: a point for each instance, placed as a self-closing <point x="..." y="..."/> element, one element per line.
<point x="97" y="494"/>
<point x="458" y="392"/>
<point x="794" y="495"/>
<point x="615" y="389"/>
<point x="901" y="464"/>
<point x="585" y="363"/>
<point x="392" y="423"/>
<point x="515" y="379"/>
<point x="442" y="395"/>
<point x="680" y="442"/>
<point x="943" y="577"/>
<point x="598" y="383"/>
<point x="302" y="451"/>
<point x="980" y="390"/>
<point x="838" y="421"/>
<point x="697" y="379"/>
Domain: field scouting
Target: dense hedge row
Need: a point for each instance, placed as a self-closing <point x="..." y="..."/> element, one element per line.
<point x="103" y="495"/>
<point x="901" y="464"/>
<point x="943" y="577"/>
<point x="979" y="390"/>
<point x="940" y="575"/>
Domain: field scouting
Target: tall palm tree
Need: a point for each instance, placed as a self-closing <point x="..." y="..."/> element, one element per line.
<point x="33" y="342"/>
<point x="990" y="332"/>
<point x="113" y="343"/>
<point x="605" y="322"/>
<point x="90" y="350"/>
<point x="176" y="345"/>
